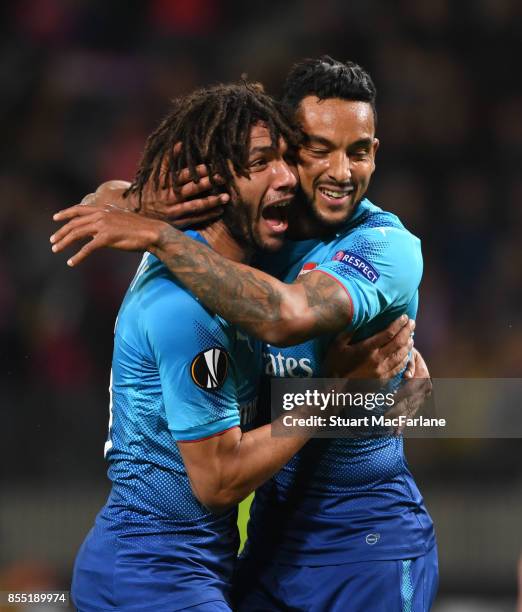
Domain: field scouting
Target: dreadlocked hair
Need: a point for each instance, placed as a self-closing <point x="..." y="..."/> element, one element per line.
<point x="212" y="126"/>
<point x="325" y="78"/>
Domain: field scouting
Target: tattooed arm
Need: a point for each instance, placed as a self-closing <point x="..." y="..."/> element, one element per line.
<point x="278" y="313"/>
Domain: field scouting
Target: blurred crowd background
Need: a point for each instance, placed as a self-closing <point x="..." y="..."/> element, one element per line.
<point x="84" y="82"/>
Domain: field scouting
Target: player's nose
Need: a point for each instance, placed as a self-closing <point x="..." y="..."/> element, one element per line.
<point x="285" y="176"/>
<point x="339" y="167"/>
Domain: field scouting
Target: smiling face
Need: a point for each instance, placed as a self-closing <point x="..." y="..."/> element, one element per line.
<point x="337" y="158"/>
<point x="258" y="214"/>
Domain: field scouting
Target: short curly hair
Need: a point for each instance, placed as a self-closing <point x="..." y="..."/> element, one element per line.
<point x="326" y="77"/>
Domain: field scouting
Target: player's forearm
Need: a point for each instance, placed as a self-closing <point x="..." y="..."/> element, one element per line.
<point x="248" y="462"/>
<point x="273" y="311"/>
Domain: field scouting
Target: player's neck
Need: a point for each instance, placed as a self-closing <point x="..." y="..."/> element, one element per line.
<point x="221" y="240"/>
<point x="305" y="225"/>
<point x="303" y="228"/>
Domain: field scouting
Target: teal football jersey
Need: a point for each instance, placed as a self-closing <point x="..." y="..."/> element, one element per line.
<point x="179" y="374"/>
<point x="341" y="500"/>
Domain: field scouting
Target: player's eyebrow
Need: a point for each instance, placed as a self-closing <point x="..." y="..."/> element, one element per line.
<point x="321" y="140"/>
<point x="362" y="142"/>
<point x="267" y="149"/>
<point x="309" y="138"/>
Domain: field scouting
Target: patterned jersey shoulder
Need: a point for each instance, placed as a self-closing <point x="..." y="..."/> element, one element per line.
<point x="164" y="332"/>
<point x="377" y="260"/>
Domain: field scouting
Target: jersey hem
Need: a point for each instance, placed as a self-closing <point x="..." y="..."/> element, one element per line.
<point x="206" y="430"/>
<point x="327" y="560"/>
<point x="214" y="435"/>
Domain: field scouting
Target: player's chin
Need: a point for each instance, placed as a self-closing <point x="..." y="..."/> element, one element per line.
<point x="270" y="242"/>
<point x="334" y="213"/>
<point x="329" y="215"/>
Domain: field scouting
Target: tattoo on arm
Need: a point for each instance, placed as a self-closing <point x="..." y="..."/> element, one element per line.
<point x="252" y="299"/>
<point x="331" y="306"/>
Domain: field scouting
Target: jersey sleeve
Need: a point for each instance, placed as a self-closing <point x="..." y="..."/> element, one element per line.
<point x="192" y="351"/>
<point x="380" y="268"/>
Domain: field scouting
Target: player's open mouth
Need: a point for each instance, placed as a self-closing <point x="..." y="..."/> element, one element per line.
<point x="336" y="196"/>
<point x="276" y="215"/>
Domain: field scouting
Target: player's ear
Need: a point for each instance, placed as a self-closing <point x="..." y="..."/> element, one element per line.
<point x="375" y="146"/>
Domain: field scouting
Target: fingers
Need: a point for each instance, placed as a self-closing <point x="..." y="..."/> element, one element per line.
<point x="396" y="362"/>
<point x="409" y="372"/>
<point x="73" y="211"/>
<point x="411" y="368"/>
<point x="65" y="229"/>
<point x="73" y="235"/>
<point x="191" y="188"/>
<point x="400" y="356"/>
<point x="84" y="252"/>
<point x="201" y="171"/>
<point x="190" y="199"/>
<point x="392" y="358"/>
<point x="196" y="207"/>
<point x="386" y="335"/>
<point x="401" y="339"/>
<point x="409" y="399"/>
<point x="184" y="176"/>
<point x="421" y="369"/>
<point x="188" y="222"/>
<point x="388" y="350"/>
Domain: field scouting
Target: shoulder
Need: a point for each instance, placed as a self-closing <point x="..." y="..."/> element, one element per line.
<point x="380" y="234"/>
<point x="377" y="254"/>
<point x="373" y="216"/>
<point x="159" y="291"/>
<point x="163" y="309"/>
<point x="386" y="244"/>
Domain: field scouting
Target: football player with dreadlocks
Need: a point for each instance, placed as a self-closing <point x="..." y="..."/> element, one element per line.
<point x="183" y="380"/>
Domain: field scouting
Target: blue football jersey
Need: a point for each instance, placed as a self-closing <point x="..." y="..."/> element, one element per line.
<point x="342" y="500"/>
<point x="179" y="374"/>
